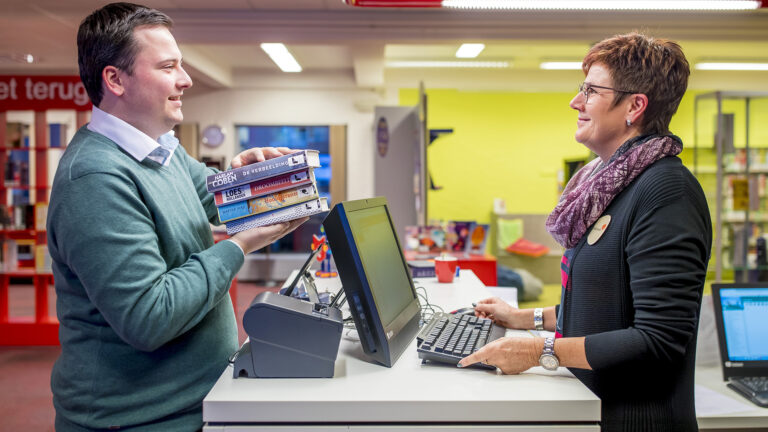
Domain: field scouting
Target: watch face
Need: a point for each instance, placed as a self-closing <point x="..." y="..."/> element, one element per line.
<point x="549" y="362"/>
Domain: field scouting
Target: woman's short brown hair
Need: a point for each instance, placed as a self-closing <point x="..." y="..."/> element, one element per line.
<point x="654" y="67"/>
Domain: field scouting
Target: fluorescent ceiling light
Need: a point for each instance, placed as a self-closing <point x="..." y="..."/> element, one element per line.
<point x="447" y="64"/>
<point x="560" y="65"/>
<point x="282" y="58"/>
<point x="605" y="4"/>
<point x="732" y="66"/>
<point x="470" y="50"/>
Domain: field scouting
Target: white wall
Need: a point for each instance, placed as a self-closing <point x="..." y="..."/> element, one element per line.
<point x="295" y="106"/>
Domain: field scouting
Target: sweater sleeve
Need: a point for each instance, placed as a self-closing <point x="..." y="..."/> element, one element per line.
<point x="107" y="236"/>
<point x="199" y="173"/>
<point x="667" y="252"/>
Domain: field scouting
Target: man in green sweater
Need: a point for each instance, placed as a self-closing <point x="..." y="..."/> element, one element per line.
<point x="146" y="321"/>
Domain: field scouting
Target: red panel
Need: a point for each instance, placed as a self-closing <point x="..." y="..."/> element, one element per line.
<point x="30" y="92"/>
<point x="483" y="267"/>
<point x="41" y="156"/>
<point x="21" y="331"/>
<point x="396" y="3"/>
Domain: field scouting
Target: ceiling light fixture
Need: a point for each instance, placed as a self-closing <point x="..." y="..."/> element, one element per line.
<point x="605" y="4"/>
<point x="703" y="5"/>
<point x="470" y="50"/>
<point x="447" y="64"/>
<point x="560" y="65"/>
<point x="724" y="66"/>
<point x="281" y="56"/>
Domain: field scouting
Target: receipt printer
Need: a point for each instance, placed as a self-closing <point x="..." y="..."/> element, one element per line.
<point x="289" y="338"/>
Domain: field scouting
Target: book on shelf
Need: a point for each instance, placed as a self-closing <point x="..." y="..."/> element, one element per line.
<point x="267" y="203"/>
<point x="296" y="211"/>
<point x="10" y="256"/>
<point x="22" y="217"/>
<point x="264" y="187"/>
<point x="41" y="215"/>
<point x="16" y="135"/>
<point x="17" y="168"/>
<point x="57" y="135"/>
<point x="42" y="258"/>
<point x="261" y="170"/>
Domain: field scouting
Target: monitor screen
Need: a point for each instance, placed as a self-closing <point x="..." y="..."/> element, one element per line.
<point x="376" y="280"/>
<point x="745" y="321"/>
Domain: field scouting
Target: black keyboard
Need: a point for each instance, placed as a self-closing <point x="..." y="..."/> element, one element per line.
<point x="448" y="338"/>
<point x="753" y="388"/>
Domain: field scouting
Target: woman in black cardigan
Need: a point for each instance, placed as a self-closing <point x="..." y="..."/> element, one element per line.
<point x="637" y="233"/>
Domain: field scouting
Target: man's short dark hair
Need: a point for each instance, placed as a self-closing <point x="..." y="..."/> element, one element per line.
<point x="105" y="38"/>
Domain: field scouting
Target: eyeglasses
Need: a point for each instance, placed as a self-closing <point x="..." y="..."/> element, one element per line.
<point x="589" y="89"/>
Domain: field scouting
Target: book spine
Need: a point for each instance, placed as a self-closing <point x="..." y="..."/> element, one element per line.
<point x="296" y="211"/>
<point x="264" y="187"/>
<point x="267" y="203"/>
<point x="261" y="170"/>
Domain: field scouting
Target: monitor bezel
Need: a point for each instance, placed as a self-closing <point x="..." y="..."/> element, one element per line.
<point x="737" y="368"/>
<point x="383" y="342"/>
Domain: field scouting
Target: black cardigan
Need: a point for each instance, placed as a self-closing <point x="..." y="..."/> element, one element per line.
<point x="636" y="293"/>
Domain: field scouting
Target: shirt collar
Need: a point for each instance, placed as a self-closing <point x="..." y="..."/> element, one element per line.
<point x="135" y="142"/>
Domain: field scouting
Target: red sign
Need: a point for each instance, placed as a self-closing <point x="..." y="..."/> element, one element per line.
<point x="39" y="93"/>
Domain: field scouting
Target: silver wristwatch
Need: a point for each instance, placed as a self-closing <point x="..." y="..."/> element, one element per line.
<point x="538" y="319"/>
<point x="548" y="360"/>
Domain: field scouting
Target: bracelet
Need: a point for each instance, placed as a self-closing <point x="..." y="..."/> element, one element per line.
<point x="538" y="319"/>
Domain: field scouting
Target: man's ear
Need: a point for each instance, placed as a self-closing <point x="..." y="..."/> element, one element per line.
<point x="637" y="106"/>
<point x="111" y="77"/>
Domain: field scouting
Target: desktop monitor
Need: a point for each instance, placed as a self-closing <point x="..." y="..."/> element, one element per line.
<point x="376" y="281"/>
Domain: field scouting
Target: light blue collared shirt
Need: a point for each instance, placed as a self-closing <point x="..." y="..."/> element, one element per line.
<point x="135" y="142"/>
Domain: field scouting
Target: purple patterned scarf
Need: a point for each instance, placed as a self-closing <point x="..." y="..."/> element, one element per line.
<point x="593" y="187"/>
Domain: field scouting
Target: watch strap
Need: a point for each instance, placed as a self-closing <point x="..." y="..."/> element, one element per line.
<point x="538" y="319"/>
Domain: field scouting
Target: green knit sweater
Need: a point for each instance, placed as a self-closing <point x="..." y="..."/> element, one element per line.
<point x="146" y="322"/>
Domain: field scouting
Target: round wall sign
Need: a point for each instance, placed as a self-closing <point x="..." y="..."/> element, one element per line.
<point x="213" y="136"/>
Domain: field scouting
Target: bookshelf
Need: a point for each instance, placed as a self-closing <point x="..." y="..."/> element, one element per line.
<point x="25" y="154"/>
<point x="730" y="159"/>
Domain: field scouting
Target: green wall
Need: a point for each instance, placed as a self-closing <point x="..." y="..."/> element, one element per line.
<point x="512" y="145"/>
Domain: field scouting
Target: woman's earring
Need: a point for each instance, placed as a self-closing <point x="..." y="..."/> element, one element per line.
<point x="629" y="122"/>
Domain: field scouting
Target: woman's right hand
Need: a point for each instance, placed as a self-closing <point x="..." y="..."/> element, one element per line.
<point x="499" y="311"/>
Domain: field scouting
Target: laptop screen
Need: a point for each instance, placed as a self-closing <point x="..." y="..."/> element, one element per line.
<point x="741" y="317"/>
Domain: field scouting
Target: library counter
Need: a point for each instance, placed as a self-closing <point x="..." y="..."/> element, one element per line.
<point x="408" y="396"/>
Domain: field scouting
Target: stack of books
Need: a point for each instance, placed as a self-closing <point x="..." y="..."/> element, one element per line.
<point x="265" y="193"/>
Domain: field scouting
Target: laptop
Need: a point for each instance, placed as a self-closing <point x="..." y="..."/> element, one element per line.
<point x="741" y="317"/>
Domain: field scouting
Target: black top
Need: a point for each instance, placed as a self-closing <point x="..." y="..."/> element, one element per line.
<point x="636" y="293"/>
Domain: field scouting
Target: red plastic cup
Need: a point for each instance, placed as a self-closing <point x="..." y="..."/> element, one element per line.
<point x="445" y="268"/>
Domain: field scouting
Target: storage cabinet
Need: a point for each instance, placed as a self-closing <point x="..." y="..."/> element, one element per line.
<point x="25" y="189"/>
<point x="731" y="163"/>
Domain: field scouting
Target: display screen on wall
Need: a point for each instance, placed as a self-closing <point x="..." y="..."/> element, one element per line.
<point x="299" y="138"/>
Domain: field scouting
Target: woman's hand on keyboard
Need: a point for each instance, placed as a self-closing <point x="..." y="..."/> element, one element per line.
<point x="497" y="310"/>
<point x="511" y="355"/>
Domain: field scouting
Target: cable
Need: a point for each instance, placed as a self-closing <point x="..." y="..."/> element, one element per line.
<point x="428" y="310"/>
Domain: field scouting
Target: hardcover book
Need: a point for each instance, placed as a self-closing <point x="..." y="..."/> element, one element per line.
<point x="261" y="170"/>
<point x="285" y="214"/>
<point x="267" y="203"/>
<point x="264" y="187"/>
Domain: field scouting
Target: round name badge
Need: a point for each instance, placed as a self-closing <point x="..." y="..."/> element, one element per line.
<point x="598" y="229"/>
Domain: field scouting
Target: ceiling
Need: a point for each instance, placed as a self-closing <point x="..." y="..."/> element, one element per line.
<point x="340" y="45"/>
